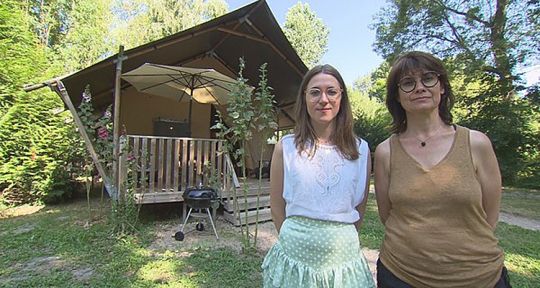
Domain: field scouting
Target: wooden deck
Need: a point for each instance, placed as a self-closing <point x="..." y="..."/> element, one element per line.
<point x="159" y="169"/>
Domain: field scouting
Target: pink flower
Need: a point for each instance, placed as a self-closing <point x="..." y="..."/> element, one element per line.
<point x="103" y="133"/>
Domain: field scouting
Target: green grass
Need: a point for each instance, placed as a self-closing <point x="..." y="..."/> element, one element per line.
<point x="55" y="247"/>
<point x="521" y="202"/>
<point x="372" y="231"/>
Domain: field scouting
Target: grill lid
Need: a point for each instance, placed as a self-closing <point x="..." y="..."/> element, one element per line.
<point x="199" y="193"/>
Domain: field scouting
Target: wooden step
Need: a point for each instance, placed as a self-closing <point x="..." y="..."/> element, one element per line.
<point x="158" y="197"/>
<point x="264" y="215"/>
<point x="252" y="191"/>
<point x="264" y="201"/>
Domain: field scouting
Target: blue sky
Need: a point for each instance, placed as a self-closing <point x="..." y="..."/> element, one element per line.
<point x="350" y="40"/>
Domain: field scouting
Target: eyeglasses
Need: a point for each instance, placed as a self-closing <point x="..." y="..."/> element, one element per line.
<point x="408" y="83"/>
<point x="315" y="94"/>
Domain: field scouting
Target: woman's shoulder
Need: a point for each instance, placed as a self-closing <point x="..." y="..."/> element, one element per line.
<point x="383" y="147"/>
<point x="286" y="142"/>
<point x="477" y="138"/>
<point x="287" y="139"/>
<point x="479" y="141"/>
<point x="361" y="143"/>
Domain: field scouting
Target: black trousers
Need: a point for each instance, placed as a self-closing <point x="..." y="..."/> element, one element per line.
<point x="386" y="279"/>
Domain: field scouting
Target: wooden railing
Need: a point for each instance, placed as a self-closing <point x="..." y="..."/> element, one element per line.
<point x="159" y="169"/>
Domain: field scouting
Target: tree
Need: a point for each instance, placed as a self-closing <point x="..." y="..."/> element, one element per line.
<point x="489" y="36"/>
<point x="307" y="33"/>
<point x="39" y="150"/>
<point x="20" y="58"/>
<point x="141" y="21"/>
<point x="85" y="38"/>
<point x="374" y="84"/>
<point x="73" y="32"/>
<point x="48" y="19"/>
<point x="370" y="115"/>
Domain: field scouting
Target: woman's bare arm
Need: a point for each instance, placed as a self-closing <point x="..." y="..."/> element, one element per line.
<point x="277" y="203"/>
<point x="488" y="174"/>
<point x="382" y="179"/>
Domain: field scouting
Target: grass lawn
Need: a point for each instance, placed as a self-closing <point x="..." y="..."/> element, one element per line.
<point x="521" y="202"/>
<point x="57" y="246"/>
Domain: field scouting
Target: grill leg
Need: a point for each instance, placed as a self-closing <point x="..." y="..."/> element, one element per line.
<point x="211" y="221"/>
<point x="184" y="209"/>
<point x="185" y="220"/>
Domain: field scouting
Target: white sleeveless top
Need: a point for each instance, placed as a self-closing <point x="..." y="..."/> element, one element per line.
<point x="325" y="186"/>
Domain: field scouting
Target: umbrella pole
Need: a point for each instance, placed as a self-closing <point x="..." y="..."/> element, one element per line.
<point x="189" y="113"/>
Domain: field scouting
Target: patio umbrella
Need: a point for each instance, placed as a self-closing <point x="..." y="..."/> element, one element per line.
<point x="182" y="84"/>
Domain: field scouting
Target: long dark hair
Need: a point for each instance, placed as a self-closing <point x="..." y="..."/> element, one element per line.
<point x="404" y="64"/>
<point x="343" y="135"/>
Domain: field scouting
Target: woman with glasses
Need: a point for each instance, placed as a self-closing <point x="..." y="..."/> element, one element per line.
<point x="318" y="191"/>
<point x="438" y="187"/>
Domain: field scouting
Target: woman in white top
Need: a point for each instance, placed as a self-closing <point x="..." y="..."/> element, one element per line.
<point x="318" y="191"/>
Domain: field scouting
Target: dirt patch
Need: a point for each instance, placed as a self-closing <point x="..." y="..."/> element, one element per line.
<point x="229" y="237"/>
<point x="43" y="265"/>
<point x="20" y="211"/>
<point x="83" y="274"/>
<point x="520" y="221"/>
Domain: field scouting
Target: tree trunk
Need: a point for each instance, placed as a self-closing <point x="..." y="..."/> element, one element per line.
<point x="501" y="49"/>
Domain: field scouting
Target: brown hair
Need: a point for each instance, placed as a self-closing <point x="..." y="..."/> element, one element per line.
<point x="343" y="135"/>
<point x="404" y="64"/>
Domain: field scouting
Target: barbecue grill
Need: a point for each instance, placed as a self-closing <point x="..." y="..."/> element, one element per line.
<point x="201" y="199"/>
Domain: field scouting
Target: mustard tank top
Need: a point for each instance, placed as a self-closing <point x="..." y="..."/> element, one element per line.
<point x="437" y="234"/>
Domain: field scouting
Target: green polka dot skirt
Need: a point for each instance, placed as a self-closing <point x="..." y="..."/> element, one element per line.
<point x="315" y="253"/>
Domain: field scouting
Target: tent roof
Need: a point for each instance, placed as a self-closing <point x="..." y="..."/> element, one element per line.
<point x="250" y="32"/>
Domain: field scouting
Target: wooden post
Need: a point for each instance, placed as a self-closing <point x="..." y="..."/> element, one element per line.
<point x="116" y="121"/>
<point x="61" y="91"/>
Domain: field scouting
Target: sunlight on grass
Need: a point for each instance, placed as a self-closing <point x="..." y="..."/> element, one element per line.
<point x="22" y="210"/>
<point x="524" y="265"/>
<point x="522" y="254"/>
<point x="160" y="271"/>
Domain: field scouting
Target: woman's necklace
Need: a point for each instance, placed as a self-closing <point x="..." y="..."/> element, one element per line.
<point x="423" y="143"/>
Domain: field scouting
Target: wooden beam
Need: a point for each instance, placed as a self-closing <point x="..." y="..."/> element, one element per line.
<point x="240" y="34"/>
<point x="286" y="115"/>
<point x="225" y="64"/>
<point x="239" y="22"/>
<point x="59" y="88"/>
<point x="116" y="121"/>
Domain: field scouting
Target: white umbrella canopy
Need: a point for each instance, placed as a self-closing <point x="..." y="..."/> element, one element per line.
<point x="183" y="84"/>
<point x="205" y="86"/>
